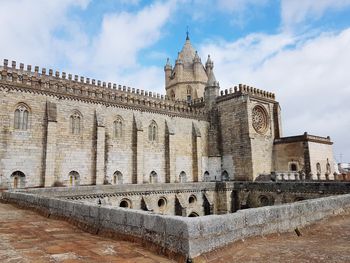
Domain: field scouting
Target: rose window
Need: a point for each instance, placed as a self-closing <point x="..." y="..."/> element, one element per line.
<point x="260" y="119"/>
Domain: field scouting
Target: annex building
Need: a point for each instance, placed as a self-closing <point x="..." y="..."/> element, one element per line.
<point x="58" y="129"/>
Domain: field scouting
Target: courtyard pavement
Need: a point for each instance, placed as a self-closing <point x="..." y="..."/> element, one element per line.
<point x="26" y="236"/>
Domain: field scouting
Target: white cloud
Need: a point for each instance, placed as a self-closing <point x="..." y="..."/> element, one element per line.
<point x="309" y="77"/>
<point x="123" y="35"/>
<point x="43" y="33"/>
<point x="238" y="5"/>
<point x="29" y="27"/>
<point x="294" y="12"/>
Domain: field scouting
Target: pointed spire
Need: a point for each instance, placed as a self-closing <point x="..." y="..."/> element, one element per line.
<point x="168" y="64"/>
<point x="187" y="34"/>
<point x="209" y="63"/>
<point x="212" y="80"/>
<point x="196" y="57"/>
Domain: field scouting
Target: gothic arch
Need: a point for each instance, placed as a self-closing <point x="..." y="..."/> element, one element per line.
<point x="206" y="176"/>
<point x="153" y="177"/>
<point x="18" y="179"/>
<point x="117" y="177"/>
<point x="182" y="177"/>
<point x="153" y="131"/>
<point x="74" y="178"/>
<point x="21" y="117"/>
<point x="118" y="127"/>
<point x="76" y="121"/>
<point x="225" y="176"/>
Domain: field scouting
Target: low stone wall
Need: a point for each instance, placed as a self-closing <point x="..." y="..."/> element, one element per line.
<point x="187" y="237"/>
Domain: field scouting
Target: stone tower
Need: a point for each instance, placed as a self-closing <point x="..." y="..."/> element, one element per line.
<point x="188" y="78"/>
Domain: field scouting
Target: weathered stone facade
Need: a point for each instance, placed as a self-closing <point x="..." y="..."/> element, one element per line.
<point x="59" y="129"/>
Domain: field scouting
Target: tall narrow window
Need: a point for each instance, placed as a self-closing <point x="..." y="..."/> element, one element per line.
<point x="75" y="123"/>
<point x="118" y="128"/>
<point x="189" y="94"/>
<point x="152" y="131"/>
<point x="21" y="118"/>
<point x="172" y="95"/>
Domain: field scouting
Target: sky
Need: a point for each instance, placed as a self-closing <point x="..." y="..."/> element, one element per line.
<point x="298" y="49"/>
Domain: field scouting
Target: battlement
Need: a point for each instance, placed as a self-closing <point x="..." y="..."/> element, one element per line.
<point x="245" y="89"/>
<point x="86" y="88"/>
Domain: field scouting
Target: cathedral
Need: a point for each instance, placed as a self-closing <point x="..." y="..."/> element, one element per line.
<point x="59" y="129"/>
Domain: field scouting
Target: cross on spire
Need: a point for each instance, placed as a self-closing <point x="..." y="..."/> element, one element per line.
<point x="187" y="33"/>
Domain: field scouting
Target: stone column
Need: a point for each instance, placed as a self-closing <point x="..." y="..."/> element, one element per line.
<point x="170" y="160"/>
<point x="50" y="150"/>
<point x="196" y="153"/>
<point x="100" y="150"/>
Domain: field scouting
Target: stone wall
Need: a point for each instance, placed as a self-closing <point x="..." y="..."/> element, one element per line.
<point x="187" y="237"/>
<point x="49" y="149"/>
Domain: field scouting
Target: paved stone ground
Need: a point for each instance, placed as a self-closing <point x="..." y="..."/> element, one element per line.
<point x="26" y="236"/>
<point x="325" y="241"/>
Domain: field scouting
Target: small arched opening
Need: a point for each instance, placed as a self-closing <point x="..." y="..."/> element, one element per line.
<point x="192" y="199"/>
<point x="193" y="214"/>
<point x="18" y="179"/>
<point x="162" y="203"/>
<point x="182" y="177"/>
<point x="74" y="178"/>
<point x="153" y="177"/>
<point x="206" y="177"/>
<point x="264" y="200"/>
<point x="117" y="177"/>
<point x="224" y="176"/>
<point x="293" y="167"/>
<point x="125" y="203"/>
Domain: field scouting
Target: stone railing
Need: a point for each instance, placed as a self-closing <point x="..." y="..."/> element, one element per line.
<point x="183" y="237"/>
<point x="82" y="88"/>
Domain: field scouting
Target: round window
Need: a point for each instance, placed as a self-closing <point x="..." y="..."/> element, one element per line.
<point x="259" y="119"/>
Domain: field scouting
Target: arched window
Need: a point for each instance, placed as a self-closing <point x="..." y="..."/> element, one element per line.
<point x="118" y="128"/>
<point x="189" y="94"/>
<point x="224" y="176"/>
<point x="172" y="95"/>
<point x="318" y="168"/>
<point x="182" y="177"/>
<point x="328" y="168"/>
<point x="206" y="177"/>
<point x="117" y="178"/>
<point x="74" y="178"/>
<point x="293" y="167"/>
<point x="75" y="123"/>
<point x="18" y="179"/>
<point x="21" y="117"/>
<point x="153" y="177"/>
<point x="152" y="131"/>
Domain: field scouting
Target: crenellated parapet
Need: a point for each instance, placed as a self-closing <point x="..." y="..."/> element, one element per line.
<point x="242" y="89"/>
<point x="86" y="89"/>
